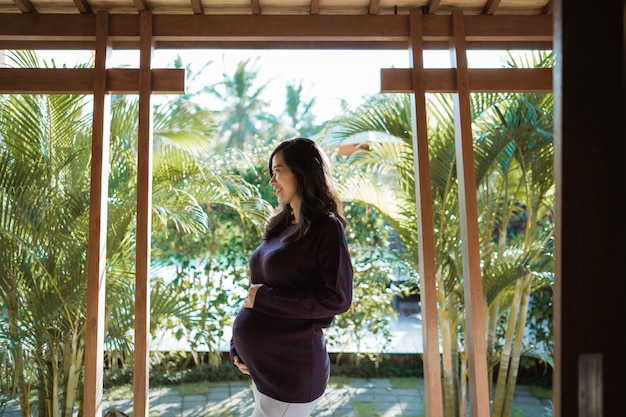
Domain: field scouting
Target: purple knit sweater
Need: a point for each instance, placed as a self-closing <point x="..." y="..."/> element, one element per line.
<point x="306" y="283"/>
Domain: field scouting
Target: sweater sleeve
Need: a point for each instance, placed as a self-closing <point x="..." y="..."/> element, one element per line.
<point x="332" y="295"/>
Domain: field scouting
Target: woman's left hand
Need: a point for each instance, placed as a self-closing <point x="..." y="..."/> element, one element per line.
<point x="249" y="301"/>
<point x="242" y="366"/>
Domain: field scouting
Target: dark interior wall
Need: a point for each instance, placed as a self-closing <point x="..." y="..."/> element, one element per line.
<point x="590" y="141"/>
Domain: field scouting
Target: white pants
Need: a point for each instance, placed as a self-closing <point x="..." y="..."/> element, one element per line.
<point x="265" y="406"/>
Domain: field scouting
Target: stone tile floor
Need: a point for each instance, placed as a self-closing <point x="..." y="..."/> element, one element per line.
<point x="376" y="396"/>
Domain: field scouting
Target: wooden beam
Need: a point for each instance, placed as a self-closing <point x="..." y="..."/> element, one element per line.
<point x="141" y="368"/>
<point x="491" y="6"/>
<point x="432" y="7"/>
<point x="164" y="81"/>
<point x="472" y="279"/>
<point x="141" y="5"/>
<point x="196" y="6"/>
<point x="356" y="27"/>
<point x="25" y="6"/>
<point x="399" y="80"/>
<point x="425" y="228"/>
<point x="270" y="44"/>
<point x="374" y="7"/>
<point x="96" y="249"/>
<point x="83" y="6"/>
<point x="81" y="81"/>
<point x="255" y="7"/>
<point x="549" y="9"/>
<point x="314" y="9"/>
<point x="207" y="30"/>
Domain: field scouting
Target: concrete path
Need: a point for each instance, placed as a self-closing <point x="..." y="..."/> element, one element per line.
<point x="350" y="397"/>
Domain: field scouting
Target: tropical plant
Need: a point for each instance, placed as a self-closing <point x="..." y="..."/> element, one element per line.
<point x="45" y="148"/>
<point x="242" y="116"/>
<point x="364" y="329"/>
<point x="515" y="195"/>
<point x="299" y="112"/>
<point x="44" y="154"/>
<point x="190" y="181"/>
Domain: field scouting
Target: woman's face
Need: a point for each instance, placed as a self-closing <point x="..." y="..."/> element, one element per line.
<point x="284" y="183"/>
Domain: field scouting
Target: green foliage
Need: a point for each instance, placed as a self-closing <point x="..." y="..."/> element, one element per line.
<point x="161" y="375"/>
<point x="369" y="368"/>
<point x="45" y="150"/>
<point x="242" y="111"/>
<point x="298" y="114"/>
<point x="513" y="156"/>
<point x="225" y="371"/>
<point x="369" y="315"/>
<point x="540" y="318"/>
<point x="209" y="209"/>
<point x="44" y="209"/>
<point x="120" y="392"/>
<point x="403" y="371"/>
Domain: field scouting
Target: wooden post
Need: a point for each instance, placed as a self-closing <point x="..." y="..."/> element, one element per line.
<point x="96" y="251"/>
<point x="426" y="239"/>
<point x="144" y="213"/>
<point x="472" y="278"/>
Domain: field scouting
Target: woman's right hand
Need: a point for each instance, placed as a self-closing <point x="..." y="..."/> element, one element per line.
<point x="242" y="366"/>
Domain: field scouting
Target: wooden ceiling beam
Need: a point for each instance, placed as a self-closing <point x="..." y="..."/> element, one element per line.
<point x="25" y="6"/>
<point x="538" y="80"/>
<point x="81" y="81"/>
<point x="314" y="9"/>
<point x="196" y="6"/>
<point x="432" y="7"/>
<point x="83" y="6"/>
<point x="255" y="7"/>
<point x="374" y="7"/>
<point x="491" y="6"/>
<point x="549" y="8"/>
<point x="264" y="45"/>
<point x="141" y="5"/>
<point x="204" y="30"/>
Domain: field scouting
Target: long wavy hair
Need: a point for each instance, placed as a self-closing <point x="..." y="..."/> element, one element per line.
<point x="311" y="167"/>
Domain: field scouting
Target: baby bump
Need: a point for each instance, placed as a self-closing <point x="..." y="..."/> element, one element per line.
<point x="260" y="337"/>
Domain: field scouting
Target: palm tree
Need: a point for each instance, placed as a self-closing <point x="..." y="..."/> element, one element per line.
<point x="242" y="115"/>
<point x="517" y="153"/>
<point x="45" y="146"/>
<point x="513" y="167"/>
<point x="189" y="177"/>
<point x="44" y="155"/>
<point x="299" y="111"/>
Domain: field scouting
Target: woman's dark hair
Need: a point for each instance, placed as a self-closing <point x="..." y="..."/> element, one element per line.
<point x="309" y="164"/>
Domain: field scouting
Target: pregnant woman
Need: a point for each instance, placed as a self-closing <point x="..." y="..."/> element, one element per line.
<point x="300" y="278"/>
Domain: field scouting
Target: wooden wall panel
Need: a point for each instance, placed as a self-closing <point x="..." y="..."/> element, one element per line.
<point x="590" y="282"/>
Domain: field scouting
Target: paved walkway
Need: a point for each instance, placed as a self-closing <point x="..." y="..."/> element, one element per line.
<point x="357" y="398"/>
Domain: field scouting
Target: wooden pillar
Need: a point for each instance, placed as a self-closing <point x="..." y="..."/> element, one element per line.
<point x="590" y="282"/>
<point x="144" y="213"/>
<point x="426" y="239"/>
<point x="472" y="279"/>
<point x="96" y="251"/>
